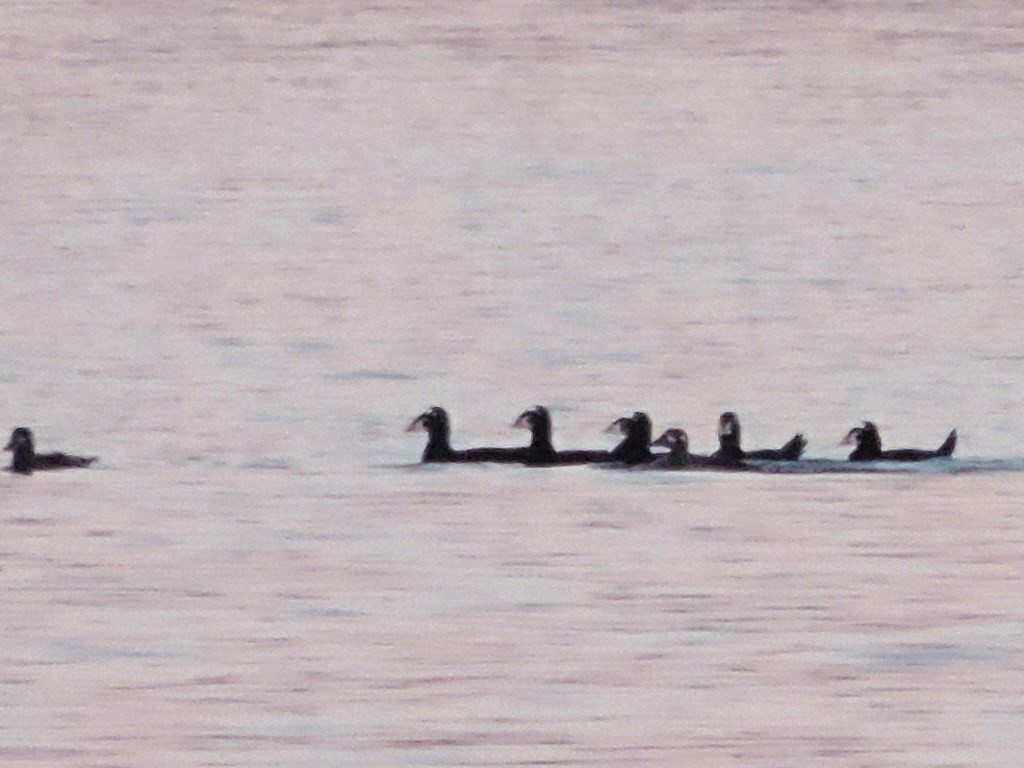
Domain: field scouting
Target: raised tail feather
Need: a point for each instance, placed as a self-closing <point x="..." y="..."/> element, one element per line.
<point x="947" y="448"/>
<point x="792" y="450"/>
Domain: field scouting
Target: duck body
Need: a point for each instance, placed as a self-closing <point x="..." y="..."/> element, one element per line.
<point x="868" y="443"/>
<point x="730" y="450"/>
<point x="25" y="460"/>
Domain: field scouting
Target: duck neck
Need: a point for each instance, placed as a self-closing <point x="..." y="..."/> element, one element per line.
<point x="438" y="446"/>
<point x="729" y="444"/>
<point x="23" y="458"/>
<point x="635" y="448"/>
<point x="540" y="437"/>
<point x="869" y="447"/>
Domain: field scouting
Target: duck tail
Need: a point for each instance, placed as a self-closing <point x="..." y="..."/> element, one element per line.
<point x="792" y="450"/>
<point x="947" y="447"/>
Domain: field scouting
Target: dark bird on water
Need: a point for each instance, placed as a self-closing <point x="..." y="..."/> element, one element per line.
<point x="869" y="447"/>
<point x="729" y="449"/>
<point x="541" y="451"/>
<point x="678" y="444"/>
<point x="635" y="447"/>
<point x="25" y="460"/>
<point x="434" y="421"/>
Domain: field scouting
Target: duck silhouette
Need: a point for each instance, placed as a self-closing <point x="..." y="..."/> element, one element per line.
<point x="25" y="460"/>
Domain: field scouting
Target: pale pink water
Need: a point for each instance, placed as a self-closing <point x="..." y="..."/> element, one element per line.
<point x="243" y="246"/>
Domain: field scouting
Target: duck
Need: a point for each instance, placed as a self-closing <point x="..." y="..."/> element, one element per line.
<point x="435" y="422"/>
<point x="25" y="460"/>
<point x="729" y="448"/>
<point x="869" y="446"/>
<point x="538" y="421"/>
<point x="541" y="451"/>
<point x="678" y="444"/>
<point x="635" y="447"/>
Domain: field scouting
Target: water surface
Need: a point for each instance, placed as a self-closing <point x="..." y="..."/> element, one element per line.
<point x="243" y="246"/>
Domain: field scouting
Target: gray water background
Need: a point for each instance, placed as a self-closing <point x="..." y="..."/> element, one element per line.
<point x="242" y="245"/>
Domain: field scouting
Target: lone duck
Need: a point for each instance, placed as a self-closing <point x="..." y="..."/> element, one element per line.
<point x="25" y="460"/>
<point x="869" y="447"/>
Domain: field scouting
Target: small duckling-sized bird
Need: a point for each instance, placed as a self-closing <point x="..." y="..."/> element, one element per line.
<point x="869" y="447"/>
<point x="25" y="460"/>
<point x="729" y="448"/>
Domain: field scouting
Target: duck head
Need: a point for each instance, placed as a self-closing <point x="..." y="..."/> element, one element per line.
<point x="434" y="422"/>
<point x="538" y="421"/>
<point x="23" y="450"/>
<point x="729" y="428"/>
<point x="675" y="439"/>
<point x="867" y="440"/>
<point x="635" y="447"/>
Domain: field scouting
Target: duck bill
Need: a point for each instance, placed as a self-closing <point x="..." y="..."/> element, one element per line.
<point x="617" y="427"/>
<point x="725" y="427"/>
<point x="850" y="439"/>
<point x="661" y="442"/>
<point x="416" y="425"/>
<point x="523" y="422"/>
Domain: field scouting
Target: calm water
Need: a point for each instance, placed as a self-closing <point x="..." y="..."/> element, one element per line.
<point x="243" y="246"/>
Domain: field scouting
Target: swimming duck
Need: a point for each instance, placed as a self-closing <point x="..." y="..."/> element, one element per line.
<point x="435" y="422"/>
<point x="25" y="460"/>
<point x="635" y="447"/>
<point x="729" y="448"/>
<point x="541" y="451"/>
<point x="869" y="447"/>
<point x="678" y="444"/>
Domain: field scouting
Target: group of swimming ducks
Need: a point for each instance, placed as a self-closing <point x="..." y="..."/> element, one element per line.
<point x="633" y="450"/>
<point x="636" y="444"/>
